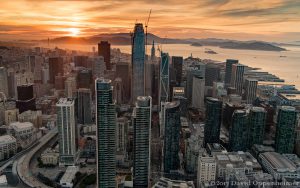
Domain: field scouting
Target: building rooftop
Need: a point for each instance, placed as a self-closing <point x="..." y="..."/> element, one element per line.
<point x="279" y="162"/>
<point x="69" y="174"/>
<point x="19" y="126"/>
<point x="258" y="109"/>
<point x="168" y="183"/>
<point x="65" y="102"/>
<point x="287" y="108"/>
<point x="7" y="139"/>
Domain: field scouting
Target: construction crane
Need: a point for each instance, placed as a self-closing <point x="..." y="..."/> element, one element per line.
<point x="146" y="26"/>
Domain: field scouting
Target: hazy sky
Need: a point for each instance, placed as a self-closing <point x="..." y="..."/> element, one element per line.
<point x="273" y="20"/>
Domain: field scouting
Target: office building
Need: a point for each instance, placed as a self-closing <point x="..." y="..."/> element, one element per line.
<point x="106" y="139"/>
<point x="141" y="141"/>
<point x="81" y="61"/>
<point x="228" y="71"/>
<point x="164" y="78"/>
<point x="84" y="78"/>
<point x="8" y="147"/>
<point x="250" y="90"/>
<point x="192" y="71"/>
<point x="4" y="81"/>
<point x="153" y="52"/>
<point x="121" y="134"/>
<point x="66" y="125"/>
<point x="34" y="117"/>
<point x="70" y="87"/>
<point x="84" y="102"/>
<point x="257" y="124"/>
<point x="238" y="134"/>
<point x="198" y="92"/>
<point x="26" y="99"/>
<point x="98" y="65"/>
<point x="285" y="129"/>
<point x="177" y="62"/>
<point x="24" y="132"/>
<point x="104" y="51"/>
<point x="138" y="62"/>
<point x="213" y="120"/>
<point x="206" y="172"/>
<point x="167" y="183"/>
<point x="118" y="90"/>
<point x="11" y="115"/>
<point x="123" y="72"/>
<point x="56" y="66"/>
<point x="237" y="78"/>
<point x="212" y="74"/>
<point x="172" y="126"/>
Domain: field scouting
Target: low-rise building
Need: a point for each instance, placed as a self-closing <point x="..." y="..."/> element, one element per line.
<point x="8" y="146"/>
<point x="281" y="166"/>
<point x="168" y="183"/>
<point x="67" y="181"/>
<point x="24" y="132"/>
<point x="50" y="157"/>
<point x="34" y="117"/>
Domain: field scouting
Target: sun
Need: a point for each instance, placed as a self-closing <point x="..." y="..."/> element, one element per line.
<point x="74" y="31"/>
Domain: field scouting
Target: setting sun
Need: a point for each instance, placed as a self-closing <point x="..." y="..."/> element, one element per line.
<point x="74" y="32"/>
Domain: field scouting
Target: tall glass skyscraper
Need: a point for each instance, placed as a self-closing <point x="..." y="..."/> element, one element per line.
<point x="257" y="123"/>
<point x="228" y="71"/>
<point x="66" y="125"/>
<point x="238" y="134"/>
<point x="164" y="78"/>
<point x="84" y="102"/>
<point x="172" y="127"/>
<point x="106" y="141"/>
<point x="138" y="62"/>
<point x="213" y="120"/>
<point x="285" y="129"/>
<point x="237" y="77"/>
<point x="141" y="141"/>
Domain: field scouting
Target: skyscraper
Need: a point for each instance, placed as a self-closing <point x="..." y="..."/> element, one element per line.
<point x="123" y="71"/>
<point x="26" y="99"/>
<point x="66" y="131"/>
<point x="196" y="70"/>
<point x="213" y="120"/>
<point x="250" y="90"/>
<point x="138" y="62"/>
<point x="98" y="66"/>
<point x="141" y="141"/>
<point x="153" y="52"/>
<point x="228" y="71"/>
<point x="56" y="66"/>
<point x="177" y="62"/>
<point x="237" y="77"/>
<point x="257" y="124"/>
<point x="84" y="102"/>
<point x="4" y="81"/>
<point x="212" y="74"/>
<point x="285" y="129"/>
<point x="172" y="126"/>
<point x="85" y="78"/>
<point x="238" y="134"/>
<point x="164" y="78"/>
<point x="104" y="51"/>
<point x="198" y="92"/>
<point x="106" y="142"/>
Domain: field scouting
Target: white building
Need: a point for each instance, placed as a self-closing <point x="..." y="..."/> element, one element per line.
<point x="11" y="115"/>
<point x="168" y="183"/>
<point x="67" y="180"/>
<point x="34" y="117"/>
<point x="70" y="86"/>
<point x="207" y="167"/>
<point x="66" y="131"/>
<point x="50" y="157"/>
<point x="24" y="132"/>
<point x="8" y="146"/>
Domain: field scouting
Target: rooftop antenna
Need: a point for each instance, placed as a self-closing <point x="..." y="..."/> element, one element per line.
<point x="146" y="26"/>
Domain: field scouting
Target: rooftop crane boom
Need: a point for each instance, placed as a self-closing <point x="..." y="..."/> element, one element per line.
<point x="146" y="26"/>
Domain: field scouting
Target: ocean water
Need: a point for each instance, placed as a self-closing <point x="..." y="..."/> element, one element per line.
<point x="285" y="64"/>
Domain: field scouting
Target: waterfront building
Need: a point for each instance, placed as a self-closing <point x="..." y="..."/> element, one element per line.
<point x="238" y="134"/>
<point x="257" y="124"/>
<point x="228" y="71"/>
<point x="250" y="90"/>
<point x="237" y="78"/>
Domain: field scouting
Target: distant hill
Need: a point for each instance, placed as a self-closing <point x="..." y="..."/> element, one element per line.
<point x="125" y="39"/>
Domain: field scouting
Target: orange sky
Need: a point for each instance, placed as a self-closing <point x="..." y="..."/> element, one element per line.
<point x="277" y="20"/>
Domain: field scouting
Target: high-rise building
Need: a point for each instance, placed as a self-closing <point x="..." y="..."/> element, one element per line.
<point x="153" y="52"/>
<point x="196" y="70"/>
<point x="118" y="90"/>
<point x="141" y="141"/>
<point x="285" y="129"/>
<point x="70" y="87"/>
<point x="104" y="51"/>
<point x="85" y="78"/>
<point x="198" y="92"/>
<point x="121" y="134"/>
<point x="4" y="81"/>
<point x="212" y="74"/>
<point x="177" y="62"/>
<point x="81" y="61"/>
<point x="207" y="168"/>
<point x="106" y="140"/>
<point x="98" y="65"/>
<point x="238" y="134"/>
<point x="172" y="127"/>
<point x="164" y="78"/>
<point x="138" y="62"/>
<point x="257" y="124"/>
<point x="56" y="66"/>
<point x="250" y="90"/>
<point x="26" y="99"/>
<point x="228" y="71"/>
<point x="66" y="125"/>
<point x="213" y="120"/>
<point x="84" y="101"/>
<point x="123" y="71"/>
<point x="237" y="77"/>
